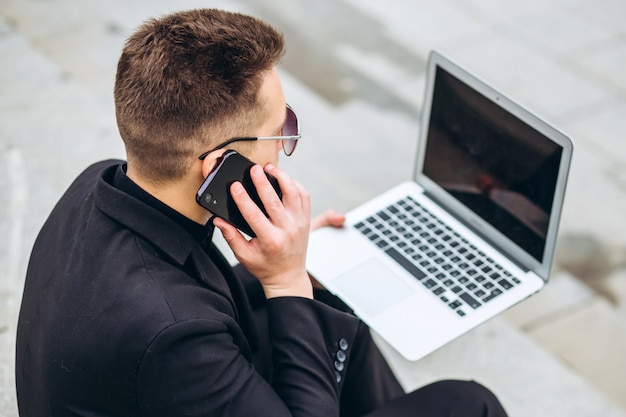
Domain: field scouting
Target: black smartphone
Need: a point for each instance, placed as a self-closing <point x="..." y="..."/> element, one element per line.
<point x="214" y="194"/>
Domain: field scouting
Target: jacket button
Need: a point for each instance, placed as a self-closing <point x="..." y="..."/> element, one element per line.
<point x="338" y="376"/>
<point x="341" y="356"/>
<point x="343" y="344"/>
<point x="339" y="366"/>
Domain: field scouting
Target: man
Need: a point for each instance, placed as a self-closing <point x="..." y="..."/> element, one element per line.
<point x="130" y="310"/>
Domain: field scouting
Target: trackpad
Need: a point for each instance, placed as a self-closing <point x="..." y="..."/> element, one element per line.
<point x="372" y="287"/>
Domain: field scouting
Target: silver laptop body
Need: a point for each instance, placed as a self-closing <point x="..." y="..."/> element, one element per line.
<point x="473" y="234"/>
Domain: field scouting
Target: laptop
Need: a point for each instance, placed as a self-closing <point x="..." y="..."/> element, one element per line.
<point x="471" y="235"/>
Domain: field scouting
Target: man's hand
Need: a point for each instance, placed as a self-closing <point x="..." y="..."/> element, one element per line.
<point x="276" y="256"/>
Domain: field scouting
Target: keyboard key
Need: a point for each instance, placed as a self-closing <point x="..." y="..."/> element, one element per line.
<point x="471" y="301"/>
<point x="406" y="264"/>
<point x="383" y="215"/>
<point x="382" y="244"/>
<point x="429" y="283"/>
<point x="505" y="284"/>
<point x="493" y="295"/>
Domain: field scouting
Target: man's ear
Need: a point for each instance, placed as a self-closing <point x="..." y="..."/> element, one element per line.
<point x="209" y="162"/>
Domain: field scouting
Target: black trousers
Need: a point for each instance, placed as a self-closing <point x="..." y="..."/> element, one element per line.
<point x="371" y="389"/>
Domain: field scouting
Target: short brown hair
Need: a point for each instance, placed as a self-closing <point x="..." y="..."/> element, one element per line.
<point x="185" y="76"/>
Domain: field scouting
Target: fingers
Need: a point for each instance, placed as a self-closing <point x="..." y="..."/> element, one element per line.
<point x="295" y="197"/>
<point x="295" y="203"/>
<point x="271" y="202"/>
<point x="328" y="218"/>
<point x="249" y="209"/>
<point x="294" y="208"/>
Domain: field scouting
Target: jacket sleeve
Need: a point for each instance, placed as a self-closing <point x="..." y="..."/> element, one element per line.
<point x="195" y="368"/>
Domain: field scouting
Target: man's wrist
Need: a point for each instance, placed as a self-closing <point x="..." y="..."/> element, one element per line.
<point x="298" y="288"/>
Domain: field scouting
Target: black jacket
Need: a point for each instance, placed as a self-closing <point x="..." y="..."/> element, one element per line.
<point x="124" y="313"/>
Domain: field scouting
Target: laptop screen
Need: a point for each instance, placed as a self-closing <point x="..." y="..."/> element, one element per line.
<point x="501" y="168"/>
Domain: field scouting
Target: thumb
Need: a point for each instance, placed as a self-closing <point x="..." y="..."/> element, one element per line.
<point x="232" y="236"/>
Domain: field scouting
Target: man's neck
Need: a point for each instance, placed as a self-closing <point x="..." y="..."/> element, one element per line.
<point x="179" y="195"/>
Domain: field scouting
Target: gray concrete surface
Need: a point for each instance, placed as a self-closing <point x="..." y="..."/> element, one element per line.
<point x="354" y="73"/>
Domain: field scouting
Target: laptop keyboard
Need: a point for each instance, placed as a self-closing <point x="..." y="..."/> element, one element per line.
<point x="453" y="269"/>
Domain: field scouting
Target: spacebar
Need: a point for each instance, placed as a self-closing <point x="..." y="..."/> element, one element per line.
<point x="406" y="264"/>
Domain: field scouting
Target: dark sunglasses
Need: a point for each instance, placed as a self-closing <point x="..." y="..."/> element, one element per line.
<point x="290" y="133"/>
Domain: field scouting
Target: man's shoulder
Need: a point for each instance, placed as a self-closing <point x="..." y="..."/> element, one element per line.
<point x="87" y="180"/>
<point x="98" y="169"/>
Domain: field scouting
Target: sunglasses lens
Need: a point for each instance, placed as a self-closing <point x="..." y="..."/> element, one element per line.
<point x="291" y="124"/>
<point x="290" y="129"/>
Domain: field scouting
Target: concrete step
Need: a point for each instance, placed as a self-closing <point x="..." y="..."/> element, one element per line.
<point x="579" y="327"/>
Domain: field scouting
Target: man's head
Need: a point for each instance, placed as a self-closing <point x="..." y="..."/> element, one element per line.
<point x="190" y="80"/>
